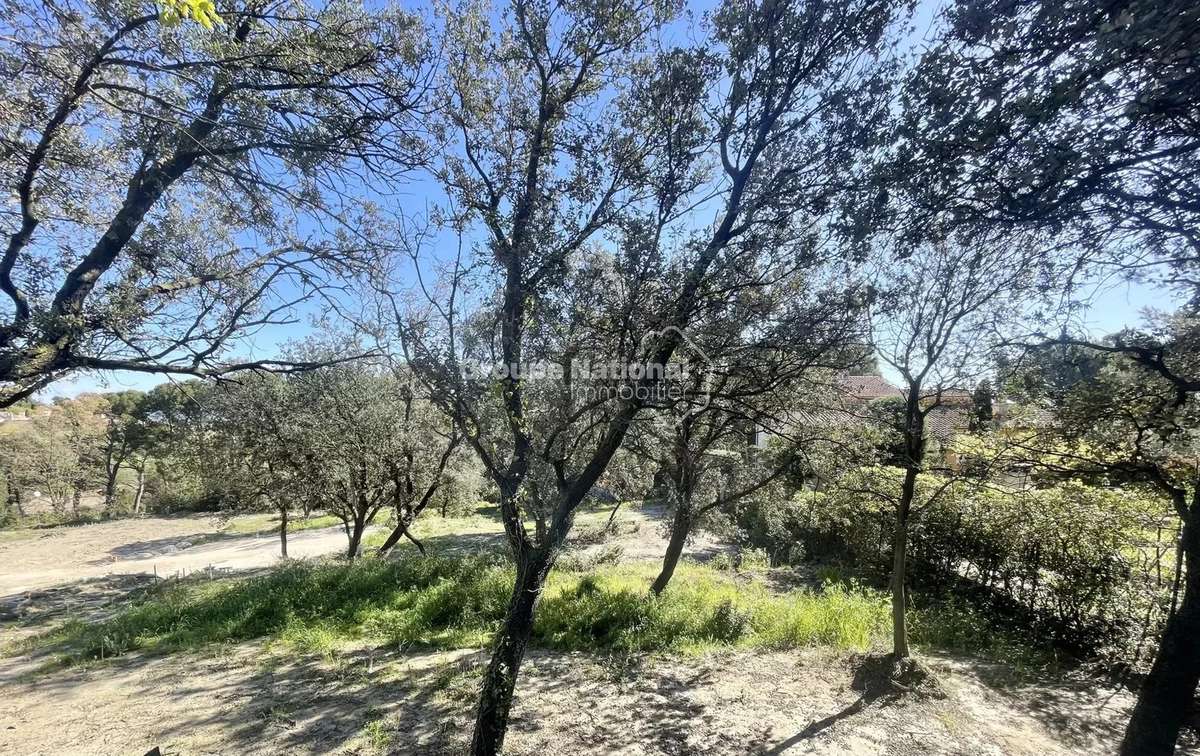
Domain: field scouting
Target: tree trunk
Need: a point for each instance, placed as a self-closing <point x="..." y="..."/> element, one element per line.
<point x="1170" y="688"/>
<point x="356" y="534"/>
<point x="680" y="525"/>
<point x="914" y="456"/>
<point x="397" y="533"/>
<point x="495" y="697"/>
<point x="283" y="526"/>
<point x="900" y="566"/>
<point x="140" y="490"/>
<point x="112" y="467"/>
<point x="110" y="496"/>
<point x="14" y="495"/>
<point x="612" y="517"/>
<point x="76" y="495"/>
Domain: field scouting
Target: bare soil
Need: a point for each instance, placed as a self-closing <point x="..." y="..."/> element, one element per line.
<point x="253" y="698"/>
<point x="245" y="700"/>
<point x="165" y="546"/>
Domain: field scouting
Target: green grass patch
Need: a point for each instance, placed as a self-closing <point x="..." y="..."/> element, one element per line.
<point x="449" y="602"/>
<point x="954" y="625"/>
<point x="610" y="608"/>
<point x="269" y="523"/>
<point x="458" y="602"/>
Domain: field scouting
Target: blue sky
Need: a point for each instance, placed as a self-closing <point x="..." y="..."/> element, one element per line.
<point x="1117" y="307"/>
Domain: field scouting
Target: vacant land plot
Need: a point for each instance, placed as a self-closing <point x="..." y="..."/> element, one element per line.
<point x="92" y="666"/>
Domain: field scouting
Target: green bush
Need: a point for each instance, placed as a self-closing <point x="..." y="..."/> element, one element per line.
<point x="1089" y="568"/>
<point x="753" y="559"/>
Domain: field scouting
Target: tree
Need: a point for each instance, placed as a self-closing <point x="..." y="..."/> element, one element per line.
<point x="128" y="437"/>
<point x="426" y="448"/>
<point x="1134" y="423"/>
<point x="981" y="405"/>
<point x="350" y="438"/>
<point x="245" y="444"/>
<point x="40" y="463"/>
<point x="735" y="434"/>
<point x="81" y="426"/>
<point x="935" y="325"/>
<point x="1074" y="118"/>
<point x="333" y="427"/>
<point x="1061" y="114"/>
<point x="757" y="131"/>
<point x="187" y="451"/>
<point x="59" y="453"/>
<point x="157" y="175"/>
<point x="709" y="466"/>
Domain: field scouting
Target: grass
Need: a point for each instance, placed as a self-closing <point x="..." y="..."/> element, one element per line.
<point x="610" y="608"/>
<point x="447" y="602"/>
<point x="30" y="524"/>
<point x="377" y="736"/>
<point x="955" y="626"/>
<point x="269" y="523"/>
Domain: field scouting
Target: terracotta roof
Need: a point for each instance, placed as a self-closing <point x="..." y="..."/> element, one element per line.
<point x="868" y="387"/>
<point x="944" y="422"/>
<point x="956" y="396"/>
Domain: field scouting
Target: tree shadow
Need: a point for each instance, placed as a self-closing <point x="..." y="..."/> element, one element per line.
<point x="159" y="547"/>
<point x="818" y="726"/>
<point x="247" y="702"/>
<point x="91" y="600"/>
<point x="614" y="703"/>
<point x="454" y="544"/>
<point x="871" y="680"/>
<point x="1075" y="704"/>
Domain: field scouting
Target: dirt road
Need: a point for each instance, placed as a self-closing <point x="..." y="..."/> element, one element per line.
<point x="163" y="545"/>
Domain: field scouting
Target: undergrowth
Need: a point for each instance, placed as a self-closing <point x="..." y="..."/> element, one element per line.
<point x="449" y="602"/>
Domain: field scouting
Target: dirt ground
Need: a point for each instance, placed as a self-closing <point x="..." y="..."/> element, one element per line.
<point x="245" y="700"/>
<point x="256" y="699"/>
<point x="165" y="546"/>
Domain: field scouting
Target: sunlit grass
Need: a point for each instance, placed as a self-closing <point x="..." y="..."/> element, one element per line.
<point x="446" y="602"/>
<point x="458" y="602"/>
<point x="269" y="523"/>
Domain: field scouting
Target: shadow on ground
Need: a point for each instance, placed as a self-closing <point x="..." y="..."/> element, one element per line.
<point x="88" y="600"/>
<point x="244" y="701"/>
<point x="157" y="547"/>
<point x="1079" y="705"/>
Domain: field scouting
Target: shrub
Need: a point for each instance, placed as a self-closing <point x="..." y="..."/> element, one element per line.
<point x="728" y="623"/>
<point x="753" y="559"/>
<point x="1089" y="568"/>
